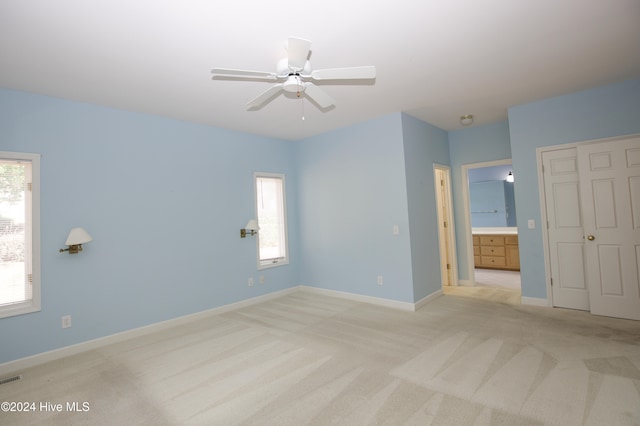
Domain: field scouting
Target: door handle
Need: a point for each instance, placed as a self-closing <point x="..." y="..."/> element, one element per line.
<point x="591" y="238"/>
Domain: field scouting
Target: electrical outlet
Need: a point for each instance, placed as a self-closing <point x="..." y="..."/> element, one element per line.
<point x="251" y="282"/>
<point x="66" y="321"/>
<point x="396" y="230"/>
<point x="380" y="281"/>
<point x="261" y="279"/>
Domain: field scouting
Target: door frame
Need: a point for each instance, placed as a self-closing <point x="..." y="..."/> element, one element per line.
<point x="543" y="203"/>
<point x="450" y="229"/>
<point x="466" y="207"/>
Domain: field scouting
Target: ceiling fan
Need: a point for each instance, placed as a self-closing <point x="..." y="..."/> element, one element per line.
<point x="296" y="76"/>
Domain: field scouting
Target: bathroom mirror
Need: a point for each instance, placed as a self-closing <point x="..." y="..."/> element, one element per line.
<point x="491" y="198"/>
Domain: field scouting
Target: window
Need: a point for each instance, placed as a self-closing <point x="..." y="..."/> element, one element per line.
<point x="272" y="219"/>
<point x="19" y="234"/>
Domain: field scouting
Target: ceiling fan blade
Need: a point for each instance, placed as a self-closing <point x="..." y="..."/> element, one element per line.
<point x="318" y="95"/>
<point x="228" y="72"/>
<point x="298" y="51"/>
<point x="260" y="100"/>
<point x="353" y="73"/>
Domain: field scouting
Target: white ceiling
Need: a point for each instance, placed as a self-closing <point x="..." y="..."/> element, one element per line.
<point x="435" y="59"/>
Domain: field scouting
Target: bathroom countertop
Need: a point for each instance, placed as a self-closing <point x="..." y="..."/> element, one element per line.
<point x="491" y="231"/>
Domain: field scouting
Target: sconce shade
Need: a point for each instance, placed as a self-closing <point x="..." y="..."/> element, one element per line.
<point x="78" y="236"/>
<point x="510" y="177"/>
<point x="252" y="225"/>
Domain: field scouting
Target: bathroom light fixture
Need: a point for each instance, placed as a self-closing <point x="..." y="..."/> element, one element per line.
<point x="77" y="237"/>
<point x="251" y="228"/>
<point x="466" y="120"/>
<point x="510" y="177"/>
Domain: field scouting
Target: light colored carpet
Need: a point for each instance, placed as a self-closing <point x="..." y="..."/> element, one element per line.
<point x="493" y="294"/>
<point x="311" y="359"/>
<point x="497" y="278"/>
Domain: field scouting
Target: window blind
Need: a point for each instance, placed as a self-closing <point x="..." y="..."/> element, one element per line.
<point x="15" y="232"/>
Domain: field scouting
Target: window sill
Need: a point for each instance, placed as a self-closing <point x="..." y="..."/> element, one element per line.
<point x="19" y="309"/>
<point x="272" y="264"/>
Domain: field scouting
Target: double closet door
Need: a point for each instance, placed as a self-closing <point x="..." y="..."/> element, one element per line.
<point x="592" y="198"/>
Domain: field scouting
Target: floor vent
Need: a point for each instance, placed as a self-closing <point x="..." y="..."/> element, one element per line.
<point x="10" y="379"/>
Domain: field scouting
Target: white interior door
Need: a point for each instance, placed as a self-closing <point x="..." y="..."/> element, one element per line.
<point x="565" y="229"/>
<point x="610" y="191"/>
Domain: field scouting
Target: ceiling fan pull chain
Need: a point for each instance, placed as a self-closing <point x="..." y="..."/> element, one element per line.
<point x="300" y="86"/>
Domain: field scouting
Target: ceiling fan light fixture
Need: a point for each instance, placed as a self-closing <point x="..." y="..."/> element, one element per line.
<point x="293" y="84"/>
<point x="466" y="120"/>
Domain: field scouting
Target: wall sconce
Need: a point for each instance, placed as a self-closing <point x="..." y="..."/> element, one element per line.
<point x="251" y="228"/>
<point x="77" y="237"/>
<point x="510" y="177"/>
<point x="466" y="120"/>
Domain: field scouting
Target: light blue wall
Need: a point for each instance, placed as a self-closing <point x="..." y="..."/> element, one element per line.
<point x="424" y="145"/>
<point x="352" y="192"/>
<point x="602" y="112"/>
<point x="467" y="146"/>
<point x="164" y="201"/>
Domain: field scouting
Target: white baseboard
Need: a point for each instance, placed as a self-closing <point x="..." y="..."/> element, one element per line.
<point x="465" y="283"/>
<point x="534" y="301"/>
<point x="395" y="304"/>
<point x="428" y="299"/>
<point x="33" y="360"/>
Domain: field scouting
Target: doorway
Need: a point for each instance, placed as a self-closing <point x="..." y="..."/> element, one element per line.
<point x="490" y="228"/>
<point x="446" y="234"/>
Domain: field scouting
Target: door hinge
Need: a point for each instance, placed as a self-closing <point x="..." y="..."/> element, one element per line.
<point x="30" y="187"/>
<point x="448" y="266"/>
<point x="441" y="182"/>
<point x="551" y="282"/>
<point x="30" y="278"/>
<point x="445" y="224"/>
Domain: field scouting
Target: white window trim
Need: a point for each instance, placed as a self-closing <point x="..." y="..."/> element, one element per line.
<point x="285" y="260"/>
<point x="34" y="305"/>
